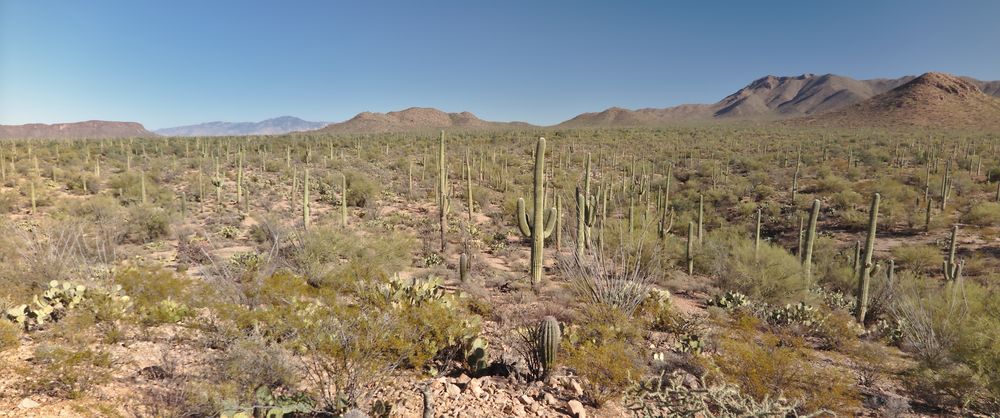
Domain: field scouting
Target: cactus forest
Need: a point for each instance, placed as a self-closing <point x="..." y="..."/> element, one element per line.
<point x="701" y="271"/>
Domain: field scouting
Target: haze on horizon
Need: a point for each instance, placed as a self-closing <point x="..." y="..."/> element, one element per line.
<point x="188" y="62"/>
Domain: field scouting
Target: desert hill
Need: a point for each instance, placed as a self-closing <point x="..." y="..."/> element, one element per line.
<point x="86" y="129"/>
<point x="931" y="100"/>
<point x="413" y="119"/>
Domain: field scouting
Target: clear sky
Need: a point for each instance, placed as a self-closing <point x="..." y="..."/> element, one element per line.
<point x="178" y="62"/>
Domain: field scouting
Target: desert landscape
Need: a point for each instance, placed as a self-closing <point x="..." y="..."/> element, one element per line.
<point x="809" y="245"/>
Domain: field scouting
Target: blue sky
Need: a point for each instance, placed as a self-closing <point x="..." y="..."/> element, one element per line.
<point x="168" y="63"/>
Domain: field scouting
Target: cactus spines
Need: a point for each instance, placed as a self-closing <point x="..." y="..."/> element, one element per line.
<point x="810" y="240"/>
<point x="689" y="251"/>
<point x="953" y="268"/>
<point x="540" y="226"/>
<point x="866" y="267"/>
<point x="547" y="338"/>
<point x="463" y="268"/>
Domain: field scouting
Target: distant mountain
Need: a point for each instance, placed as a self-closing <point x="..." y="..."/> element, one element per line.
<point x="931" y="100"/>
<point x="276" y="126"/>
<point x="87" y="129"/>
<point x="767" y="98"/>
<point x="413" y="119"/>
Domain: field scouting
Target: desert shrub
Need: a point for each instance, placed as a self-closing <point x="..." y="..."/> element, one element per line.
<point x="361" y="191"/>
<point x="768" y="368"/>
<point x="10" y="335"/>
<point x="332" y="256"/>
<point x="159" y="295"/>
<point x="270" y="365"/>
<point x="606" y="367"/>
<point x="146" y="223"/>
<point x="983" y="214"/>
<point x="67" y="372"/>
<point x="9" y="201"/>
<point x="774" y="276"/>
<point x="945" y="386"/>
<point x="918" y="258"/>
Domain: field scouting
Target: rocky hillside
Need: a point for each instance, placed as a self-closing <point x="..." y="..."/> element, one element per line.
<point x="767" y="98"/>
<point x="275" y="126"/>
<point x="931" y="100"/>
<point x="87" y="129"/>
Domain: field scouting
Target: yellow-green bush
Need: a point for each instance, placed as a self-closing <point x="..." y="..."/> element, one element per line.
<point x="67" y="372"/>
<point x="10" y="335"/>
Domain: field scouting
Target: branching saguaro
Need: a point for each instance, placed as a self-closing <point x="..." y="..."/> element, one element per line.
<point x="538" y="227"/>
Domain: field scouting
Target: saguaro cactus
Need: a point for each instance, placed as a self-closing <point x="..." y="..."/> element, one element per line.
<point x="305" y="199"/>
<point x="701" y="219"/>
<point x="343" y="200"/>
<point x="665" y="224"/>
<point x="756" y="237"/>
<point x="952" y="268"/>
<point x="463" y="268"/>
<point x="443" y="203"/>
<point x="810" y="241"/>
<point x="867" y="268"/>
<point x="689" y="252"/>
<point x="538" y="227"/>
<point x="547" y="338"/>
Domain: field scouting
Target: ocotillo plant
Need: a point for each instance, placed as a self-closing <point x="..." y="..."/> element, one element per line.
<point x="443" y="203"/>
<point x="946" y="185"/>
<point x="701" y="219"/>
<point x="581" y="215"/>
<point x="305" y="199"/>
<point x="538" y="227"/>
<point x="867" y="268"/>
<point x="547" y="338"/>
<point x="689" y="252"/>
<point x="756" y="237"/>
<point x="810" y="241"/>
<point x="953" y="268"/>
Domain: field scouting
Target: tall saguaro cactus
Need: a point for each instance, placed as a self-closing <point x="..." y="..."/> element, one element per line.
<point x="952" y="268"/>
<point x="305" y="199"/>
<point x="810" y="241"/>
<point x="689" y="251"/>
<point x="866" y="267"/>
<point x="443" y="203"/>
<point x="538" y="227"/>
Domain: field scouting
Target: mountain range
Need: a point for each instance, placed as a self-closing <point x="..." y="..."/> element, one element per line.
<point x="86" y="129"/>
<point x="931" y="99"/>
<point x="770" y="98"/>
<point x="275" y="126"/>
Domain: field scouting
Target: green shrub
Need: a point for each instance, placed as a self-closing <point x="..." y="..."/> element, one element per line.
<point x="774" y="276"/>
<point x="146" y="223"/>
<point x="65" y="372"/>
<point x="919" y="259"/>
<point x="10" y="335"/>
<point x="606" y="368"/>
<point x="983" y="214"/>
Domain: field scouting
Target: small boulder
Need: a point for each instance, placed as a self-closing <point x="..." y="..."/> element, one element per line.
<point x="28" y="403"/>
